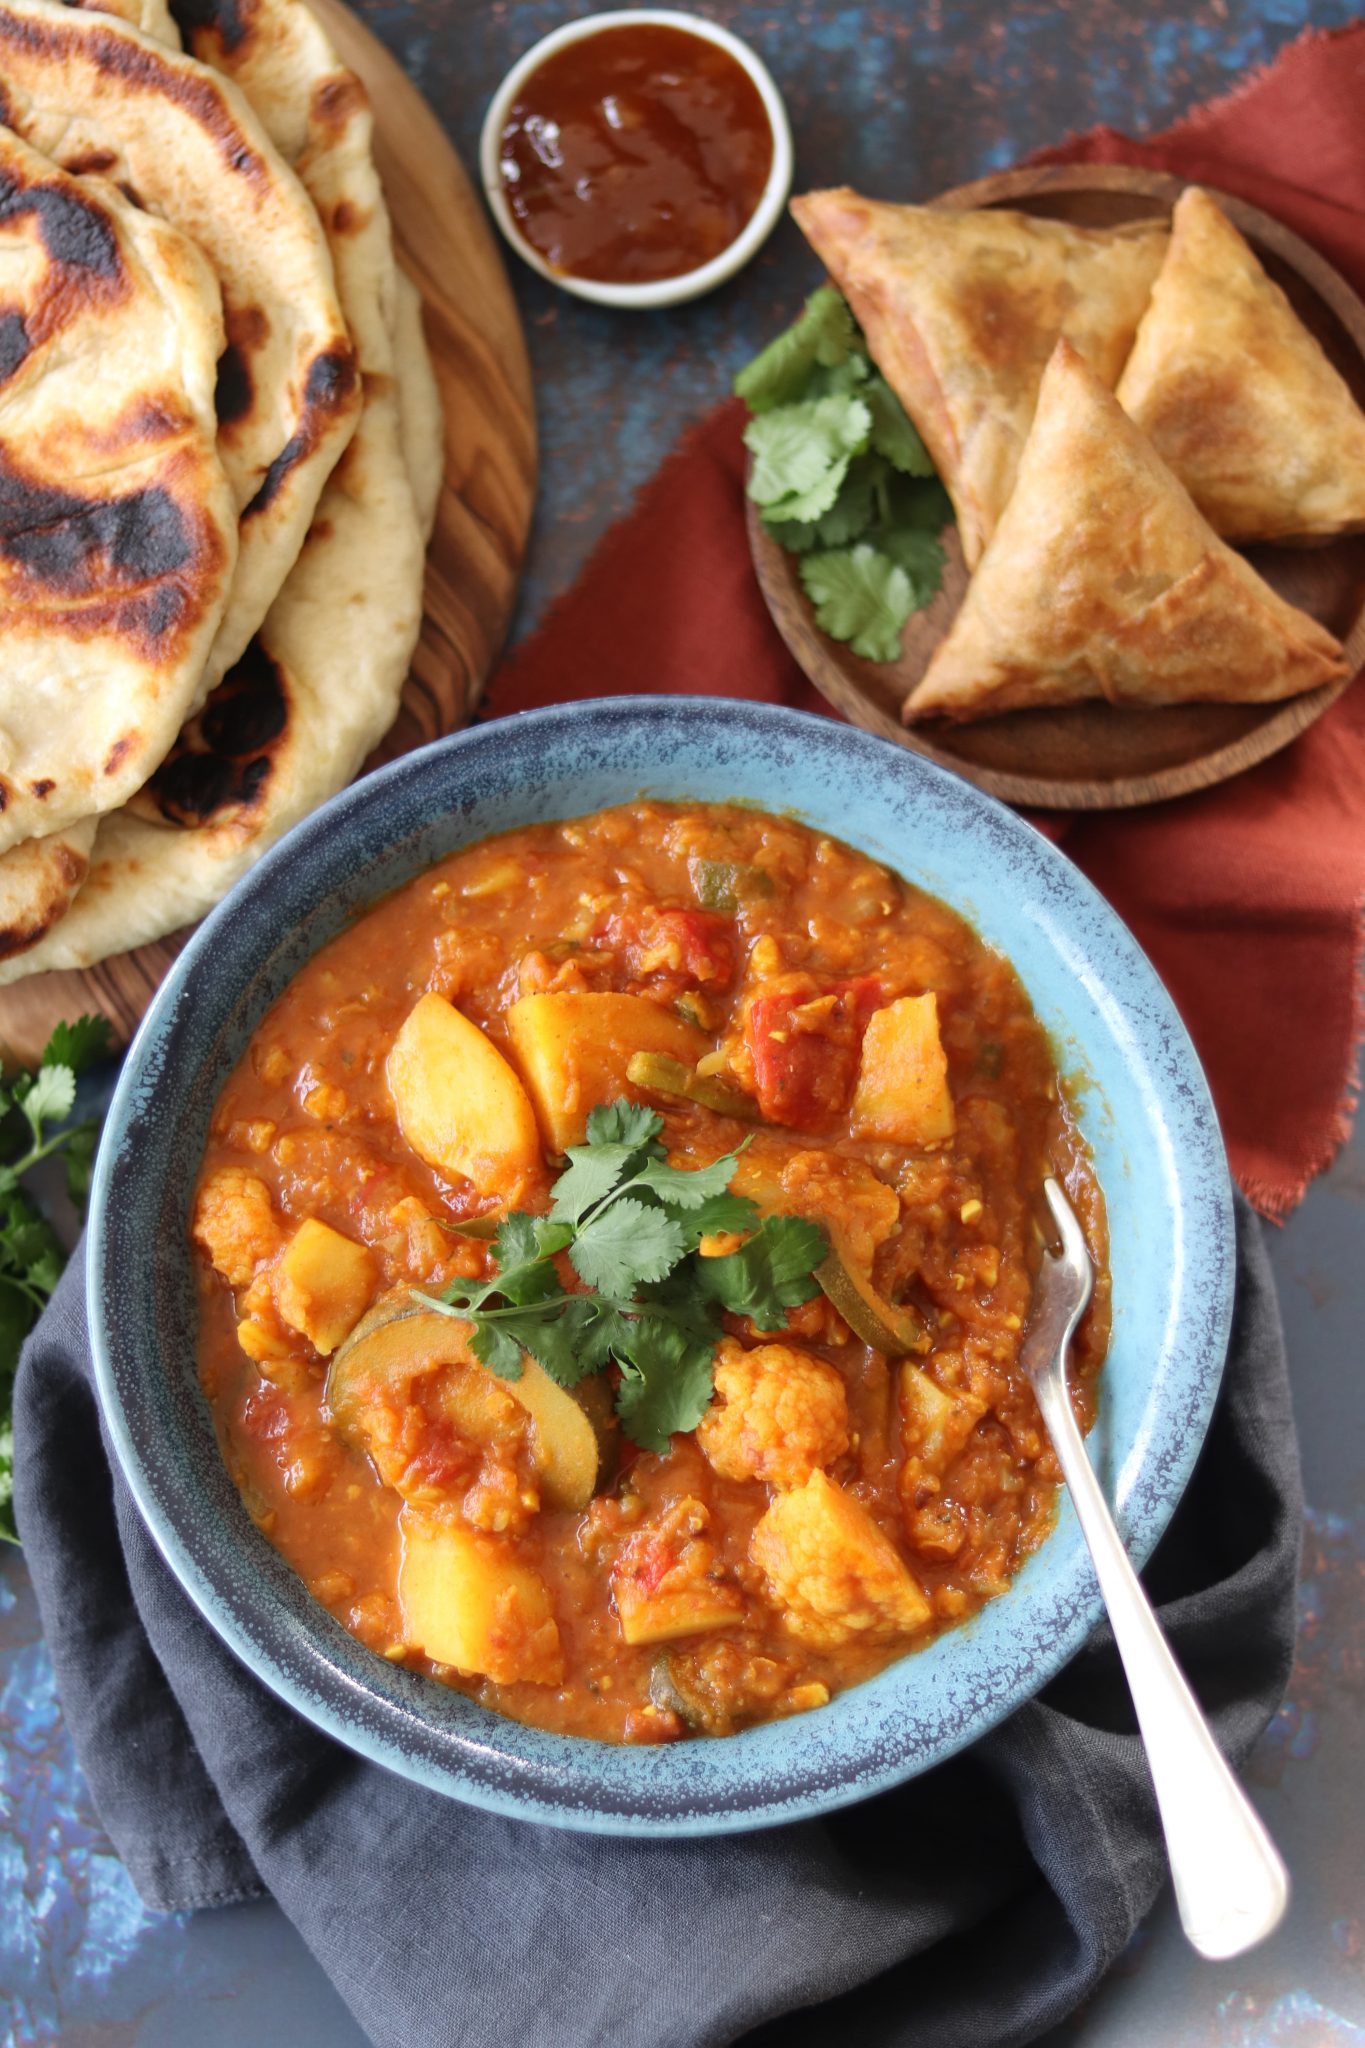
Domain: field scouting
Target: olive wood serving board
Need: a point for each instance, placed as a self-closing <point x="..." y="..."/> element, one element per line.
<point x="474" y="334"/>
<point x="1097" y="756"/>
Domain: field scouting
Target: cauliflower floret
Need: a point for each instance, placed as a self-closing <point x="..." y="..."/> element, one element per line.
<point x="236" y="1225"/>
<point x="777" y="1415"/>
<point x="831" y="1569"/>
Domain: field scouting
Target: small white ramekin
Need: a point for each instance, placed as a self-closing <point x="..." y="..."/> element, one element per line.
<point x="665" y="291"/>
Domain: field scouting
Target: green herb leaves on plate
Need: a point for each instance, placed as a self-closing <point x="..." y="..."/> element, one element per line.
<point x="630" y="1226"/>
<point x="31" y="1256"/>
<point x="843" y="479"/>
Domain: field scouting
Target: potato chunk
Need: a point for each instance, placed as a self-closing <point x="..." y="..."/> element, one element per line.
<point x="459" y="1104"/>
<point x="323" y="1284"/>
<point x="470" y="1601"/>
<point x="935" y="1425"/>
<point x="664" y="1617"/>
<point x="902" y="1092"/>
<point x="832" y="1570"/>
<point x="573" y="1051"/>
<point x="236" y="1224"/>
<point x="777" y="1415"/>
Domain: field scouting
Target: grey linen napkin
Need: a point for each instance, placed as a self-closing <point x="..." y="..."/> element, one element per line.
<point x="975" y="1906"/>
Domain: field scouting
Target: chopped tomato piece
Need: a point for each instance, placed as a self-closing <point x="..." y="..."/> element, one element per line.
<point x="805" y="1044"/>
<point x="687" y="948"/>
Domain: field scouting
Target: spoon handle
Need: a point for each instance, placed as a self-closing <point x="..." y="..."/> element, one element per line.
<point x="1231" y="1888"/>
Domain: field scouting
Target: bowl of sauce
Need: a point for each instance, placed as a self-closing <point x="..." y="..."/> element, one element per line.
<point x="638" y="158"/>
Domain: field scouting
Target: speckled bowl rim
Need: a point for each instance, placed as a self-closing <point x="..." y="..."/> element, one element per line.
<point x="871" y="1737"/>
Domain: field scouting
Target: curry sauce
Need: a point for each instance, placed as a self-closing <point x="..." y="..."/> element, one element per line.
<point x="880" y="1071"/>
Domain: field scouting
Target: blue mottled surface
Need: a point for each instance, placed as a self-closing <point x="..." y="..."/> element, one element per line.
<point x="904" y="100"/>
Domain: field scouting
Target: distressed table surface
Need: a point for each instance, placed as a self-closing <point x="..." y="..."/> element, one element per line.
<point x="902" y="101"/>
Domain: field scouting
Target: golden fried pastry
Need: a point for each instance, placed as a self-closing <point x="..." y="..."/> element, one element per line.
<point x="961" y="312"/>
<point x="1103" y="579"/>
<point x="1237" y="396"/>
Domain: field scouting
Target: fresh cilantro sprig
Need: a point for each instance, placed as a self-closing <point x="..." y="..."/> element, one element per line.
<point x="629" y="1226"/>
<point x="31" y="1257"/>
<point x="843" y="479"/>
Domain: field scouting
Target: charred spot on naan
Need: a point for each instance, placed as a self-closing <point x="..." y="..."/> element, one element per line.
<point x="76" y="233"/>
<point x="138" y="563"/>
<point x="219" y="768"/>
<point x="336" y="101"/>
<point x="328" y="393"/>
<point x="248" y="330"/>
<point x="85" y="265"/>
<point x="231" y="21"/>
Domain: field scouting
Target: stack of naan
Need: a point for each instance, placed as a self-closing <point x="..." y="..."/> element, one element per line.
<point x="220" y="456"/>
<point x="1108" y="410"/>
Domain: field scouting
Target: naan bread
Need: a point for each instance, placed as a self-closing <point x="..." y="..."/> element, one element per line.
<point x="283" y="60"/>
<point x="1103" y="580"/>
<point x="287" y="729"/>
<point x="1237" y="397"/>
<point x="961" y="312"/>
<point x="38" y="881"/>
<point x="103" y="99"/>
<point x="153" y="17"/>
<point x="320" y="685"/>
<point x="118" y="533"/>
<point x="421" y="425"/>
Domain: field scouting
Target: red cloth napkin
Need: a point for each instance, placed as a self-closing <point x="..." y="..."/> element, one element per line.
<point x="1248" y="897"/>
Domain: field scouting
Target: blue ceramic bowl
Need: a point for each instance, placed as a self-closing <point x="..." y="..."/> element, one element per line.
<point x="1145" y="1110"/>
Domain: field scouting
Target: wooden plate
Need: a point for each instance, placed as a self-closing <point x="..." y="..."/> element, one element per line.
<point x="474" y="334"/>
<point x="1094" y="756"/>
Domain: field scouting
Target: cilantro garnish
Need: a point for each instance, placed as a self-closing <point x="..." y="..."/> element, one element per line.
<point x="630" y="1226"/>
<point x="31" y="1256"/>
<point x="843" y="479"/>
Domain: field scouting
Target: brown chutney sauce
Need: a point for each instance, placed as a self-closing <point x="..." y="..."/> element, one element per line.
<point x="635" y="154"/>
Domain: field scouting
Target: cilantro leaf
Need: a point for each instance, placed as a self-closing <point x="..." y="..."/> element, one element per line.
<point x="668" y="1385"/>
<point x="624" y="1245"/>
<point x="593" y="1171"/>
<point x="829" y="381"/>
<point x="860" y="596"/>
<point x="623" y="1123"/>
<point x="52" y="1095"/>
<point x="496" y="1346"/>
<point x="79" y="1046"/>
<point x="798" y="448"/>
<point x="853" y="509"/>
<point x="688" y="1187"/>
<point x="566" y="1344"/>
<point x="824" y="334"/>
<point x="79" y="1154"/>
<point x="919" y="503"/>
<point x="893" y="432"/>
<point x="31" y="1254"/>
<point x="919" y="555"/>
<point x="769" y="1274"/>
<point x="723" y="1213"/>
<point x="525" y="1246"/>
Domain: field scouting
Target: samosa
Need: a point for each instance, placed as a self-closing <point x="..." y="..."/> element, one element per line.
<point x="961" y="312"/>
<point x="1237" y="396"/>
<point x="1104" y="580"/>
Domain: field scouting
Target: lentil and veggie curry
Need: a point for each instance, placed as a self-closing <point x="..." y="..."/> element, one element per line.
<point x="616" y="1247"/>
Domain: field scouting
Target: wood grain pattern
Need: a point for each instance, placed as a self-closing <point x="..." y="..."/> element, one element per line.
<point x="1097" y="756"/>
<point x="474" y="334"/>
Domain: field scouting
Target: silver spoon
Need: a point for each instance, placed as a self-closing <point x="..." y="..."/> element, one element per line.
<point x="1231" y="1888"/>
